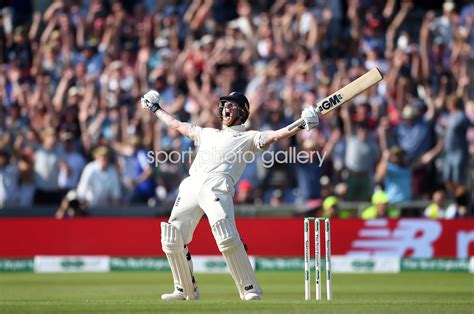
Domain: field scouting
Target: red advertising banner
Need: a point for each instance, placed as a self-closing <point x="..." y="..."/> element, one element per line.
<point x="27" y="237"/>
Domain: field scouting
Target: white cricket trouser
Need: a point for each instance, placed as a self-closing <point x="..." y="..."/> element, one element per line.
<point x="198" y="195"/>
<point x="212" y="195"/>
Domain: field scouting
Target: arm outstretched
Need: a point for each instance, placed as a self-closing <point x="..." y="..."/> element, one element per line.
<point x="151" y="100"/>
<point x="310" y="118"/>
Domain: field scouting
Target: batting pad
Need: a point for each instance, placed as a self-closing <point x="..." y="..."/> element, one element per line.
<point x="190" y="264"/>
<point x="173" y="245"/>
<point x="232" y="249"/>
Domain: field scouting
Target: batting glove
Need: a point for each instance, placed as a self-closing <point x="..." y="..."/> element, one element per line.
<point x="310" y="116"/>
<point x="151" y="100"/>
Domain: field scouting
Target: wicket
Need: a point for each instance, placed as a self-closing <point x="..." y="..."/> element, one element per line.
<point x="317" y="257"/>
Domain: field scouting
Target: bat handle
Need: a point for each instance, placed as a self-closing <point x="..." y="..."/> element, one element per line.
<point x="295" y="124"/>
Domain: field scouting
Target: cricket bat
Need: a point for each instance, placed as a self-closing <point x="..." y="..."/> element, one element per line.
<point x="344" y="94"/>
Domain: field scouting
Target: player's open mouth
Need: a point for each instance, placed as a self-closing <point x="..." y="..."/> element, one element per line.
<point x="226" y="114"/>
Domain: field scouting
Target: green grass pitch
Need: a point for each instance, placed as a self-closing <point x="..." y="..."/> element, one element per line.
<point x="139" y="292"/>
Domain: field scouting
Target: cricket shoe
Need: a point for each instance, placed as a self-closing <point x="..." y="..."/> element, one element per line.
<point x="252" y="296"/>
<point x="179" y="296"/>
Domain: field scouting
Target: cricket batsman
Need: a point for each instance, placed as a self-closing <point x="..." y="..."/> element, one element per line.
<point x="209" y="190"/>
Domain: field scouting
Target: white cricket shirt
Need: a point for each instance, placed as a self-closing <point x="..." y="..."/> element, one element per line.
<point x="225" y="151"/>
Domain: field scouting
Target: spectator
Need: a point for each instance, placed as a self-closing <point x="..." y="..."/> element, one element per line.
<point x="158" y="81"/>
<point x="137" y="173"/>
<point x="309" y="173"/>
<point x="8" y="180"/>
<point x="456" y="149"/>
<point x="360" y="159"/>
<point x="442" y="27"/>
<point x="394" y="171"/>
<point x="71" y="165"/>
<point x="47" y="164"/>
<point x="436" y="209"/>
<point x="395" y="175"/>
<point x="414" y="133"/>
<point x="279" y="180"/>
<point x="380" y="207"/>
<point x="460" y="207"/>
<point x="26" y="178"/>
<point x="99" y="184"/>
<point x="330" y="207"/>
<point x="415" y="137"/>
<point x="91" y="56"/>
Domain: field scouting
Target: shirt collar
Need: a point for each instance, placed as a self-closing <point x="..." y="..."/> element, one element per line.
<point x="235" y="128"/>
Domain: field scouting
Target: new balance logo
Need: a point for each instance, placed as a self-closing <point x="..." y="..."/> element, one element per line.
<point x="406" y="237"/>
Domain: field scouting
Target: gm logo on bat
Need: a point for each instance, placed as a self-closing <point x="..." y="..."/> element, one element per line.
<point x="330" y="102"/>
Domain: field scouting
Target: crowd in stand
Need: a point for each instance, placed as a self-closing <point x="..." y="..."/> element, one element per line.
<point x="73" y="71"/>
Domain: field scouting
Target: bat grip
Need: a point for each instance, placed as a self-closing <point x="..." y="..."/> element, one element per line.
<point x="295" y="124"/>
